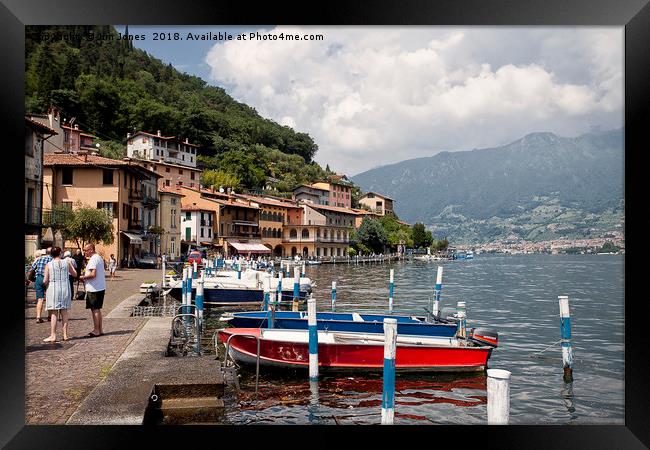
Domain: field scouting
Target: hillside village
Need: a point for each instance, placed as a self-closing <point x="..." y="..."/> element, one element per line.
<point x="157" y="186"/>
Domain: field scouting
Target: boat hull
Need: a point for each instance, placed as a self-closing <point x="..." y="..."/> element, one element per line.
<point x="354" y="355"/>
<point x="342" y="322"/>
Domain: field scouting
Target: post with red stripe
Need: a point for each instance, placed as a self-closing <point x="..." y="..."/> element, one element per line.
<point x="565" y="330"/>
<point x="390" y="350"/>
<point x="313" y="339"/>
<point x="498" y="401"/>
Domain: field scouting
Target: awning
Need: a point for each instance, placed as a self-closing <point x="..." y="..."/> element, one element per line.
<point x="250" y="248"/>
<point x="134" y="238"/>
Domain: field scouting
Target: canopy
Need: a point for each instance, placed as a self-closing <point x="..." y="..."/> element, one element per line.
<point x="134" y="238"/>
<point x="250" y="248"/>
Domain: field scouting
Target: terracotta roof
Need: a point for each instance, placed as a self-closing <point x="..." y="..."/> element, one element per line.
<point x="171" y="190"/>
<point x="144" y="162"/>
<point x="40" y="125"/>
<point x="73" y="159"/>
<point x="224" y="202"/>
<point x="186" y="207"/>
<point x="332" y="208"/>
<point x="266" y="201"/>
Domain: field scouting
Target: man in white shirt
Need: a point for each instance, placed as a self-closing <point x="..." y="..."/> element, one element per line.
<point x="95" y="284"/>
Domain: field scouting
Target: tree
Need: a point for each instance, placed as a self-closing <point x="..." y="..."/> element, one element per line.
<point x="219" y="178"/>
<point x="371" y="235"/>
<point x="419" y="236"/>
<point x="85" y="224"/>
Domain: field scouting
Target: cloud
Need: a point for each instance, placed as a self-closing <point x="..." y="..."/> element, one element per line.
<point x="377" y="95"/>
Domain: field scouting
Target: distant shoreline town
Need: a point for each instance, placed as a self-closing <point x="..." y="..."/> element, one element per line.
<point x="613" y="241"/>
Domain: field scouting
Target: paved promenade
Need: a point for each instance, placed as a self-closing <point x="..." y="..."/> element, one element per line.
<point x="61" y="375"/>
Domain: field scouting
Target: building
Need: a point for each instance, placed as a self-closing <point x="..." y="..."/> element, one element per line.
<point x="36" y="134"/>
<point x="155" y="147"/>
<point x="378" y="203"/>
<point x="362" y="214"/>
<point x="275" y="214"/>
<point x="113" y="185"/>
<point x="335" y="192"/>
<point x="169" y="218"/>
<point x="69" y="138"/>
<point x="196" y="225"/>
<point x="172" y="175"/>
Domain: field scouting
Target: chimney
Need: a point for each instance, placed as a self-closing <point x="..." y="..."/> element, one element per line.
<point x="128" y="135"/>
<point x="76" y="127"/>
<point x="158" y="132"/>
<point x="187" y="141"/>
<point x="50" y="116"/>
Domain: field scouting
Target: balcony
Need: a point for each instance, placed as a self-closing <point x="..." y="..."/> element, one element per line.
<point x="54" y="219"/>
<point x="206" y="223"/>
<point x="135" y="224"/>
<point x="33" y="216"/>
<point x="135" y="195"/>
<point x="150" y="202"/>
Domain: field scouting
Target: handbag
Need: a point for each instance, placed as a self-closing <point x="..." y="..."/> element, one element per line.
<point x="31" y="275"/>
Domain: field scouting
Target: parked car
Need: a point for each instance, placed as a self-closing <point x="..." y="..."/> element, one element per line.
<point x="147" y="261"/>
<point x="194" y="256"/>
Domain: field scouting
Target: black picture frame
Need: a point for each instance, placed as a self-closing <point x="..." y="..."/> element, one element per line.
<point x="634" y="15"/>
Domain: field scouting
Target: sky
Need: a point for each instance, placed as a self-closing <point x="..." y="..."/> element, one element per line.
<point x="371" y="96"/>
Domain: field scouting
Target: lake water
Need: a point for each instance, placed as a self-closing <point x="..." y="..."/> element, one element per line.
<point x="514" y="294"/>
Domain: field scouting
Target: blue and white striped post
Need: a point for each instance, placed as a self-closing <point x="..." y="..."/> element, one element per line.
<point x="199" y="312"/>
<point x="296" y="288"/>
<point x="265" y="302"/>
<point x="195" y="271"/>
<point x="302" y="274"/>
<point x="565" y="330"/>
<point x="238" y="271"/>
<point x="391" y="289"/>
<point x="270" y="315"/>
<point x="164" y="271"/>
<point x="184" y="288"/>
<point x="313" y="339"/>
<point x="333" y="296"/>
<point x="279" y="287"/>
<point x="436" y="293"/>
<point x="390" y="350"/>
<point x="190" y="276"/>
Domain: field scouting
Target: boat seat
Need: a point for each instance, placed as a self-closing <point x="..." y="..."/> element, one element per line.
<point x="357" y="318"/>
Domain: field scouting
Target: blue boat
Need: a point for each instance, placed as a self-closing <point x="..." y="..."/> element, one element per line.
<point x="228" y="293"/>
<point x="334" y="321"/>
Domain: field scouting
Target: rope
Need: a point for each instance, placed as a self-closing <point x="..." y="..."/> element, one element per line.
<point x="554" y="343"/>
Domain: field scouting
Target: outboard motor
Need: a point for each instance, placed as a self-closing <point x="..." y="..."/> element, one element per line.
<point x="449" y="314"/>
<point x="484" y="336"/>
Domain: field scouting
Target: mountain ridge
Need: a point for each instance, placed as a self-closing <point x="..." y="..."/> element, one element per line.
<point x="480" y="194"/>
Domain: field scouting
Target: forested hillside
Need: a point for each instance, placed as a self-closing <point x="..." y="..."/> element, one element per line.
<point x="113" y="88"/>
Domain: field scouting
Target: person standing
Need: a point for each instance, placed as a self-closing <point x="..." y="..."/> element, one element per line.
<point x="112" y="266"/>
<point x="38" y="266"/>
<point x="81" y="264"/>
<point x="95" y="284"/>
<point x="58" y="298"/>
<point x="67" y="256"/>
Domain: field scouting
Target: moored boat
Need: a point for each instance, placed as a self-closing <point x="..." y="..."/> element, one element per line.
<point x="341" y="321"/>
<point x="353" y="351"/>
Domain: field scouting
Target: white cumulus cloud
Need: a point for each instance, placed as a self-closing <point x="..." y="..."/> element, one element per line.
<point x="376" y="95"/>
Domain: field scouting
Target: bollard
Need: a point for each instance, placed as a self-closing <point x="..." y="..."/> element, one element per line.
<point x="199" y="312"/>
<point x="164" y="270"/>
<point x="390" y="350"/>
<point x="296" y="288"/>
<point x="333" y="296"/>
<point x="313" y="339"/>
<point x="498" y="396"/>
<point x="195" y="272"/>
<point x="462" y="320"/>
<point x="391" y="288"/>
<point x="565" y="334"/>
<point x="436" y="293"/>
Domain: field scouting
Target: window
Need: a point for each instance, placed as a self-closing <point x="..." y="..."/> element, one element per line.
<point x="167" y="169"/>
<point x="173" y="201"/>
<point x="293" y="233"/>
<point x="305" y="233"/>
<point x="125" y="214"/>
<point x="108" y="177"/>
<point x="66" y="136"/>
<point x="173" y="218"/>
<point x="210" y="232"/>
<point x="201" y="231"/>
<point x="167" y="182"/>
<point x="180" y="171"/>
<point x="192" y="175"/>
<point x="109" y="207"/>
<point x="66" y="176"/>
<point x="67" y="205"/>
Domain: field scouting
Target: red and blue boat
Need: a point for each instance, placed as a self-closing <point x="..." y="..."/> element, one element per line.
<point x="341" y="321"/>
<point x="346" y="351"/>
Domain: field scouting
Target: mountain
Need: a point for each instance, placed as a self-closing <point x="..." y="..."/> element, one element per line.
<point x="539" y="187"/>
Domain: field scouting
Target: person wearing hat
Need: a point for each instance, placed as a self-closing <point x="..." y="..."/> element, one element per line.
<point x="38" y="266"/>
<point x="67" y="256"/>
